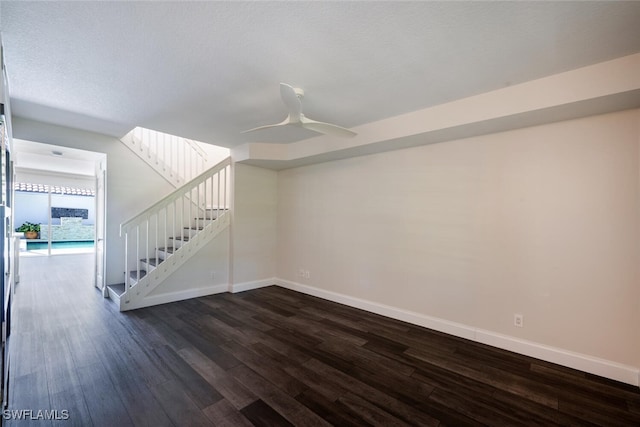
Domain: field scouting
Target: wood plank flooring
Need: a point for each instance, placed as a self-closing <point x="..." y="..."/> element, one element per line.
<point x="272" y="357"/>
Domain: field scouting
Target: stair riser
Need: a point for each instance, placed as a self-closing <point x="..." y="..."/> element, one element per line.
<point x="209" y="216"/>
<point x="201" y="222"/>
<point x="164" y="255"/>
<point x="213" y="214"/>
<point x="184" y="232"/>
<point x="177" y="243"/>
<point x="114" y="297"/>
<point x="134" y="274"/>
<point x="191" y="232"/>
<point x="147" y="266"/>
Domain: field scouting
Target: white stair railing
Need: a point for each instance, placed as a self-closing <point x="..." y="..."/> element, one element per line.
<point x="162" y="237"/>
<point x="177" y="159"/>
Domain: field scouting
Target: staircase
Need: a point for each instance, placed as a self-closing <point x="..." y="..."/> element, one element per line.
<point x="159" y="240"/>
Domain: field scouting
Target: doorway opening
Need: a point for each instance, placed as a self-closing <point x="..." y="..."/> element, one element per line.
<point x="54" y="219"/>
<point x="60" y="195"/>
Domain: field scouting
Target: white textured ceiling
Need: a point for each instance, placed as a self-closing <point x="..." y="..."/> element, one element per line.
<point x="208" y="70"/>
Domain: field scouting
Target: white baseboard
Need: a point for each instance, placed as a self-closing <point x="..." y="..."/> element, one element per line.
<point x="149" y="301"/>
<point x="605" y="368"/>
<point x="247" y="286"/>
<point x="453" y="328"/>
<point x="593" y="365"/>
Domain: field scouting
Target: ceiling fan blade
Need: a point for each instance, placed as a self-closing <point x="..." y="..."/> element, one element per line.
<point x="291" y="99"/>
<point x="282" y="123"/>
<point x="326" y="128"/>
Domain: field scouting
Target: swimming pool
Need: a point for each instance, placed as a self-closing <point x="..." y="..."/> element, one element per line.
<point x="67" y="244"/>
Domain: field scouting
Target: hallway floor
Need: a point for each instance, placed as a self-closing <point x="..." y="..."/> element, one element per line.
<point x="271" y="357"/>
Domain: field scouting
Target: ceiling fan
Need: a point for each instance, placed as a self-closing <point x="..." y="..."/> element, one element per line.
<point x="292" y="98"/>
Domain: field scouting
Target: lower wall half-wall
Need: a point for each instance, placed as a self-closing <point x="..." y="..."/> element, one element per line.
<point x="605" y="368"/>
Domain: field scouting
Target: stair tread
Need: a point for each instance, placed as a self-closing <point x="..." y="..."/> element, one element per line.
<point x="182" y="238"/>
<point x="134" y="274"/>
<point x="167" y="250"/>
<point x="152" y="261"/>
<point x="117" y="289"/>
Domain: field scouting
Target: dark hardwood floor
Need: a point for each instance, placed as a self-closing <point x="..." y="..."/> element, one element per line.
<point x="272" y="357"/>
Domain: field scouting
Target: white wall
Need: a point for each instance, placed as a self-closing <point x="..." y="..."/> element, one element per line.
<point x="254" y="224"/>
<point x="32" y="207"/>
<point x="132" y="185"/>
<point x="542" y="221"/>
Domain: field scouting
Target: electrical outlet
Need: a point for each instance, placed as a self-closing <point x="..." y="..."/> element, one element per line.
<point x="301" y="272"/>
<point x="213" y="274"/>
<point x="307" y="274"/>
<point x="518" y="320"/>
